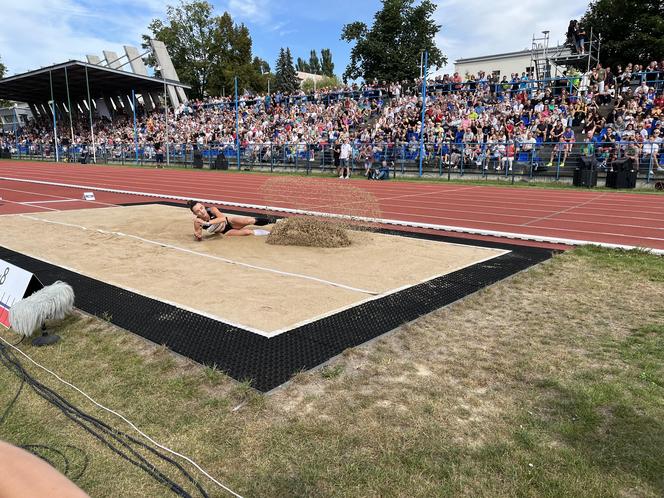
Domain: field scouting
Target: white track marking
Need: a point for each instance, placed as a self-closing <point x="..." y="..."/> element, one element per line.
<point x="189" y="251"/>
<point x="50" y="202"/>
<point x="446" y="228"/>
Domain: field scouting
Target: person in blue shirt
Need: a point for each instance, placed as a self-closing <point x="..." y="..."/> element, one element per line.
<point x="568" y="140"/>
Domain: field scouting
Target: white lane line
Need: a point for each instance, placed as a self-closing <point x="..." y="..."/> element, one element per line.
<point x="576" y="206"/>
<point x="189" y="251"/>
<point x="445" y="228"/>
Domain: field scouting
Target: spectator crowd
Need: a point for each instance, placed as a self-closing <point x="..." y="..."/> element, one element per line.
<point x="480" y="120"/>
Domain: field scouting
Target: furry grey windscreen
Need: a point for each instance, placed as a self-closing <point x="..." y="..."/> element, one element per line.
<point x="53" y="302"/>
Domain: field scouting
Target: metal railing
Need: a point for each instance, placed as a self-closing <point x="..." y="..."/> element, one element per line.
<point x="553" y="160"/>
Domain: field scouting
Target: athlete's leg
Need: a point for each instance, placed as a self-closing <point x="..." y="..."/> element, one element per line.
<point x="237" y="221"/>
<point x="239" y="232"/>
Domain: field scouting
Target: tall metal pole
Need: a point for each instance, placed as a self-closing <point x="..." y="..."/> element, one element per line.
<point x="168" y="154"/>
<point x="55" y="122"/>
<point x="237" y="128"/>
<point x="71" y="123"/>
<point x="424" y="107"/>
<point x="268" y="99"/>
<point x="92" y="131"/>
<point x="15" y="130"/>
<point x="133" y="106"/>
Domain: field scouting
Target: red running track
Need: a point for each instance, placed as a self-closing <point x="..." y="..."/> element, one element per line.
<point x="586" y="215"/>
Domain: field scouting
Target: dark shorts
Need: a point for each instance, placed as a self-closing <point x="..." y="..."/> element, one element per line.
<point x="221" y="227"/>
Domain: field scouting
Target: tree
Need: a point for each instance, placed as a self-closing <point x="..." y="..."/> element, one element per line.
<point x="326" y="66"/>
<point x="391" y="49"/>
<point x="207" y="50"/>
<point x="302" y="66"/>
<point x="314" y="63"/>
<point x="3" y="70"/>
<point x="286" y="79"/>
<point x="308" y="85"/>
<point x="631" y="30"/>
<point x="261" y="66"/>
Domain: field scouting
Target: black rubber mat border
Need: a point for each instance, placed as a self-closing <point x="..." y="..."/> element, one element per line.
<point x="269" y="362"/>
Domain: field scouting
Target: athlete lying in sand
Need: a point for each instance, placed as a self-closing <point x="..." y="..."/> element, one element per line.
<point x="212" y="221"/>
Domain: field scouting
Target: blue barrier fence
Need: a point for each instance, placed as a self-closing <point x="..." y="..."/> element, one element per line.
<point x="542" y="159"/>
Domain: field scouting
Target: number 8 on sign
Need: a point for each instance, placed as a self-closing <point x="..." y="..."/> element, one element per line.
<point x="14" y="283"/>
<point x="3" y="277"/>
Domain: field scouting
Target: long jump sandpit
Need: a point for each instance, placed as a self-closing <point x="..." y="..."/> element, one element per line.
<point x="240" y="280"/>
<point x="257" y="311"/>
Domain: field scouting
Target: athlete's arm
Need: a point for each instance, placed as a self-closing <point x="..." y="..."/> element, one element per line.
<point x="217" y="213"/>
<point x="198" y="232"/>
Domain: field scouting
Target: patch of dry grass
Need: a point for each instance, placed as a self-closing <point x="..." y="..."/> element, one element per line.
<point x="538" y="386"/>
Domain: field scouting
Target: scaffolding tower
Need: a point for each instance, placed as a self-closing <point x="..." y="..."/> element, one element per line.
<point x="547" y="61"/>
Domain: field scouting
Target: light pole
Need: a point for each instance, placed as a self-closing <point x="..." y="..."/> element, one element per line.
<point x="168" y="156"/>
<point x="18" y="152"/>
<point x="424" y="106"/>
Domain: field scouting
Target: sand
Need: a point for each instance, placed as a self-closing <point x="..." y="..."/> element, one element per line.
<point x="253" y="298"/>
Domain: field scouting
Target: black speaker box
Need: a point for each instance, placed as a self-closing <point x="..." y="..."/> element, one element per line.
<point x="587" y="163"/>
<point x="621" y="179"/>
<point x="198" y="159"/>
<point x="584" y="178"/>
<point x="620" y="165"/>
<point x="5" y="154"/>
<point x="220" y="162"/>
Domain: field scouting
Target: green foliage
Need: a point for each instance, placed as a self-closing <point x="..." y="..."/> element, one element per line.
<point x="308" y="85"/>
<point x="391" y="49"/>
<point x="631" y="30"/>
<point x="314" y="63"/>
<point x="286" y="79"/>
<point x="207" y="50"/>
<point x="302" y="66"/>
<point x="261" y="66"/>
<point x="3" y="70"/>
<point x="331" y="372"/>
<point x="326" y="65"/>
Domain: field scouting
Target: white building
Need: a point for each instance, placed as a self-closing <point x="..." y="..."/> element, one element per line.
<point x="316" y="78"/>
<point x="507" y="63"/>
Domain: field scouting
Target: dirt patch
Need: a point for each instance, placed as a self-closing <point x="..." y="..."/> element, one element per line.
<point x="309" y="232"/>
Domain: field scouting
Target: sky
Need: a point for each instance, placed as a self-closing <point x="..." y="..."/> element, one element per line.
<point x="38" y="33"/>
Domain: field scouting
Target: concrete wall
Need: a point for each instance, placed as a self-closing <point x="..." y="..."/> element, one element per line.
<point x="506" y="65"/>
<point x="175" y="94"/>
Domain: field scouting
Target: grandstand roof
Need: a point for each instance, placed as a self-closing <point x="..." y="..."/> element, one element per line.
<point x="35" y="86"/>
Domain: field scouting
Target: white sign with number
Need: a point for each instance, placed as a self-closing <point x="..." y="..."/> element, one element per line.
<point x="14" y="282"/>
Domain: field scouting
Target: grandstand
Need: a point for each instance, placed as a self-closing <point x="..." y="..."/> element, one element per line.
<point x="475" y="126"/>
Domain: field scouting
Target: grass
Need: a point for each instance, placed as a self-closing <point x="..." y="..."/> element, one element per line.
<point x="548" y="384"/>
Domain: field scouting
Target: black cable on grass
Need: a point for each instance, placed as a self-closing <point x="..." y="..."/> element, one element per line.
<point x="32" y="447"/>
<point x="86" y="462"/>
<point x="71" y="413"/>
<point x="11" y="403"/>
<point x="99" y="429"/>
<point x="19" y="341"/>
